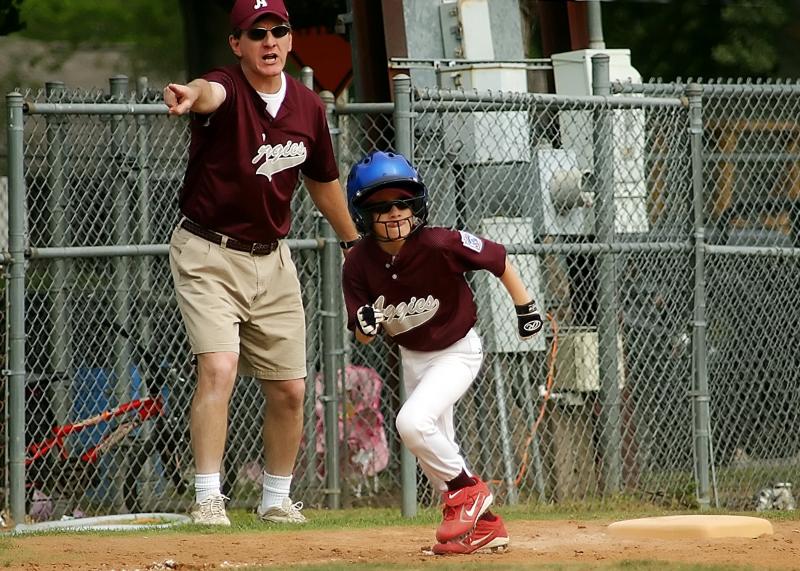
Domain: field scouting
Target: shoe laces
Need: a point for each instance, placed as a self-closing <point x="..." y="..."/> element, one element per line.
<point x="294" y="508"/>
<point x="214" y="504"/>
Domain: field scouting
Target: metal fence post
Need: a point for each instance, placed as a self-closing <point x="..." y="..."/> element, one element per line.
<point x="310" y="299"/>
<point x="307" y="77"/>
<point x="700" y="394"/>
<point x="404" y="144"/>
<point x="121" y="281"/>
<point x="58" y="198"/>
<point x="607" y="327"/>
<point x="16" y="295"/>
<point x="143" y="211"/>
<point x="330" y="358"/>
<point x="331" y="333"/>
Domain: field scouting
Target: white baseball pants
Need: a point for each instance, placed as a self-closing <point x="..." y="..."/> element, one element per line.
<point x="434" y="381"/>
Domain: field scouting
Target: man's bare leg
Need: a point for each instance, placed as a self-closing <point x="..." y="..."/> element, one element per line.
<point x="282" y="433"/>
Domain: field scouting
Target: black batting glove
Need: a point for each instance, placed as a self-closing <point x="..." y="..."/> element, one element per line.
<point x="529" y="322"/>
<point x="368" y="320"/>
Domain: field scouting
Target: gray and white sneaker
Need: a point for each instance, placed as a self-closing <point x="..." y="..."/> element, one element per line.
<point x="287" y="512"/>
<point x="211" y="511"/>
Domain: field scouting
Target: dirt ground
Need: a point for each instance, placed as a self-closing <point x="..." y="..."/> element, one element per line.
<point x="532" y="543"/>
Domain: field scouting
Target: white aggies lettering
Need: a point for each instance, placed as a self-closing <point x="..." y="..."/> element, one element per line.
<point x="279" y="157"/>
<point x="407" y="315"/>
<point x="412" y="307"/>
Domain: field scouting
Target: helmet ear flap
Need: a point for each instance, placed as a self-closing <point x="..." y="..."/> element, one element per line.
<point x="362" y="220"/>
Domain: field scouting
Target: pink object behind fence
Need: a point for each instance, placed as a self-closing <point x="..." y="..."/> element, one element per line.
<point x="368" y="451"/>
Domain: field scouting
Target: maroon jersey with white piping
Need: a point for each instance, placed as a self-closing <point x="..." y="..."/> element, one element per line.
<point x="422" y="291"/>
<point x="244" y="164"/>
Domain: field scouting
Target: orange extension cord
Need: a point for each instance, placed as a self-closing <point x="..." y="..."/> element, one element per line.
<point x="548" y="389"/>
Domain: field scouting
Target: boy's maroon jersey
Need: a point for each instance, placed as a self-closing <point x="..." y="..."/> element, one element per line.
<point x="242" y="182"/>
<point x="422" y="291"/>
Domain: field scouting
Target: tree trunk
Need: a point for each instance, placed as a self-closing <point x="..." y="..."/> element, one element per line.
<point x="206" y="30"/>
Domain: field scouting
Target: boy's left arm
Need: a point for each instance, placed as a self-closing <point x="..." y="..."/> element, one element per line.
<point x="529" y="321"/>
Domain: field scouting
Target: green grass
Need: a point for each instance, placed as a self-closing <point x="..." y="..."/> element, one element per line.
<point x="369" y="518"/>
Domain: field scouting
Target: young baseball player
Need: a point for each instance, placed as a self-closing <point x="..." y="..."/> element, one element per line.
<point x="407" y="279"/>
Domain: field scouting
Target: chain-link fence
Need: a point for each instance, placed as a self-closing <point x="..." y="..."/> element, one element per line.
<point x="655" y="227"/>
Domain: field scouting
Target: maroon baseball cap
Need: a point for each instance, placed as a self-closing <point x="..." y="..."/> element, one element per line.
<point x="246" y="12"/>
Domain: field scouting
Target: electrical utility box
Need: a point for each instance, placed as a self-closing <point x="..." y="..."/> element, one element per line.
<point x="550" y="191"/>
<point x="564" y="206"/>
<point x="573" y="76"/>
<point x="497" y="314"/>
<point x="482" y="137"/>
<point x="577" y="364"/>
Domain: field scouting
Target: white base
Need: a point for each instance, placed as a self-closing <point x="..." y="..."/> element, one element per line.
<point x="691" y="527"/>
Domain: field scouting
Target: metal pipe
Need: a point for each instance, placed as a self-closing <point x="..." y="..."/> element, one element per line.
<point x="700" y="393"/>
<point x="524" y="248"/>
<point x="719" y="250"/>
<point x="431" y="99"/>
<point x="310" y="300"/>
<point x="33" y="108"/>
<point x="331" y="285"/>
<point x="716" y="90"/>
<point x="17" y="222"/>
<point x="120" y="212"/>
<point x="330" y="400"/>
<point x="607" y="326"/>
<point x="143" y="212"/>
<point x="61" y="310"/>
<point x="404" y="144"/>
<point x="307" y="77"/>
<point x="364" y="108"/>
<point x="530" y="414"/>
<point x="505" y="434"/>
<point x="140" y="250"/>
<point x="595" y="25"/>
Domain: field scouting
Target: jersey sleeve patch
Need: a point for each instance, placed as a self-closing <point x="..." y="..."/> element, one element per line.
<point x="471" y="241"/>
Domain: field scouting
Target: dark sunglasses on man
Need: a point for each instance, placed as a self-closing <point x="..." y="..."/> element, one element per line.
<point x="258" y="34"/>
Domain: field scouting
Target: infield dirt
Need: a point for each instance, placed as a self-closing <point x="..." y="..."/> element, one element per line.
<point x="533" y="544"/>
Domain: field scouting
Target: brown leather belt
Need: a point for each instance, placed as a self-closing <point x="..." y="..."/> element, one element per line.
<point x="254" y="248"/>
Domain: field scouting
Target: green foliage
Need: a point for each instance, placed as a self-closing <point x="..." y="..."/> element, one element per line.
<point x="751" y="42"/>
<point x="305" y="13"/>
<point x="738" y="38"/>
<point x="153" y="29"/>
<point x="9" y="17"/>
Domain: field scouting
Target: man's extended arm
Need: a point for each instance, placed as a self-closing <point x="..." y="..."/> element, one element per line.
<point x="199" y="96"/>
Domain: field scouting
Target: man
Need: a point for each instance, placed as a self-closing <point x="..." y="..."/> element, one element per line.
<point x="254" y="129"/>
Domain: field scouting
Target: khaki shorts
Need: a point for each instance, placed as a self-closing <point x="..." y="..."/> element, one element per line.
<point x="234" y="301"/>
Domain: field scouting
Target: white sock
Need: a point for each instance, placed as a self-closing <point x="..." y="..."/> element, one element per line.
<point x="274" y="489"/>
<point x="206" y="485"/>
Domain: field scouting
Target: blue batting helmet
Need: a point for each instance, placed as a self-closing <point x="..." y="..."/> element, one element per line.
<point x="379" y="170"/>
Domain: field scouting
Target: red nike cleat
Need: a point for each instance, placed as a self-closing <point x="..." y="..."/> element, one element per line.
<point x="462" y="508"/>
<point x="487" y="536"/>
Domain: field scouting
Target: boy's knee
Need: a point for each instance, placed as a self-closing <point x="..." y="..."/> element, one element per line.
<point x="411" y="428"/>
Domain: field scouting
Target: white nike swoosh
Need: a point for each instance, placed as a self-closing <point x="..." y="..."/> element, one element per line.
<point x="471" y="512"/>
<point x="452" y="495"/>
